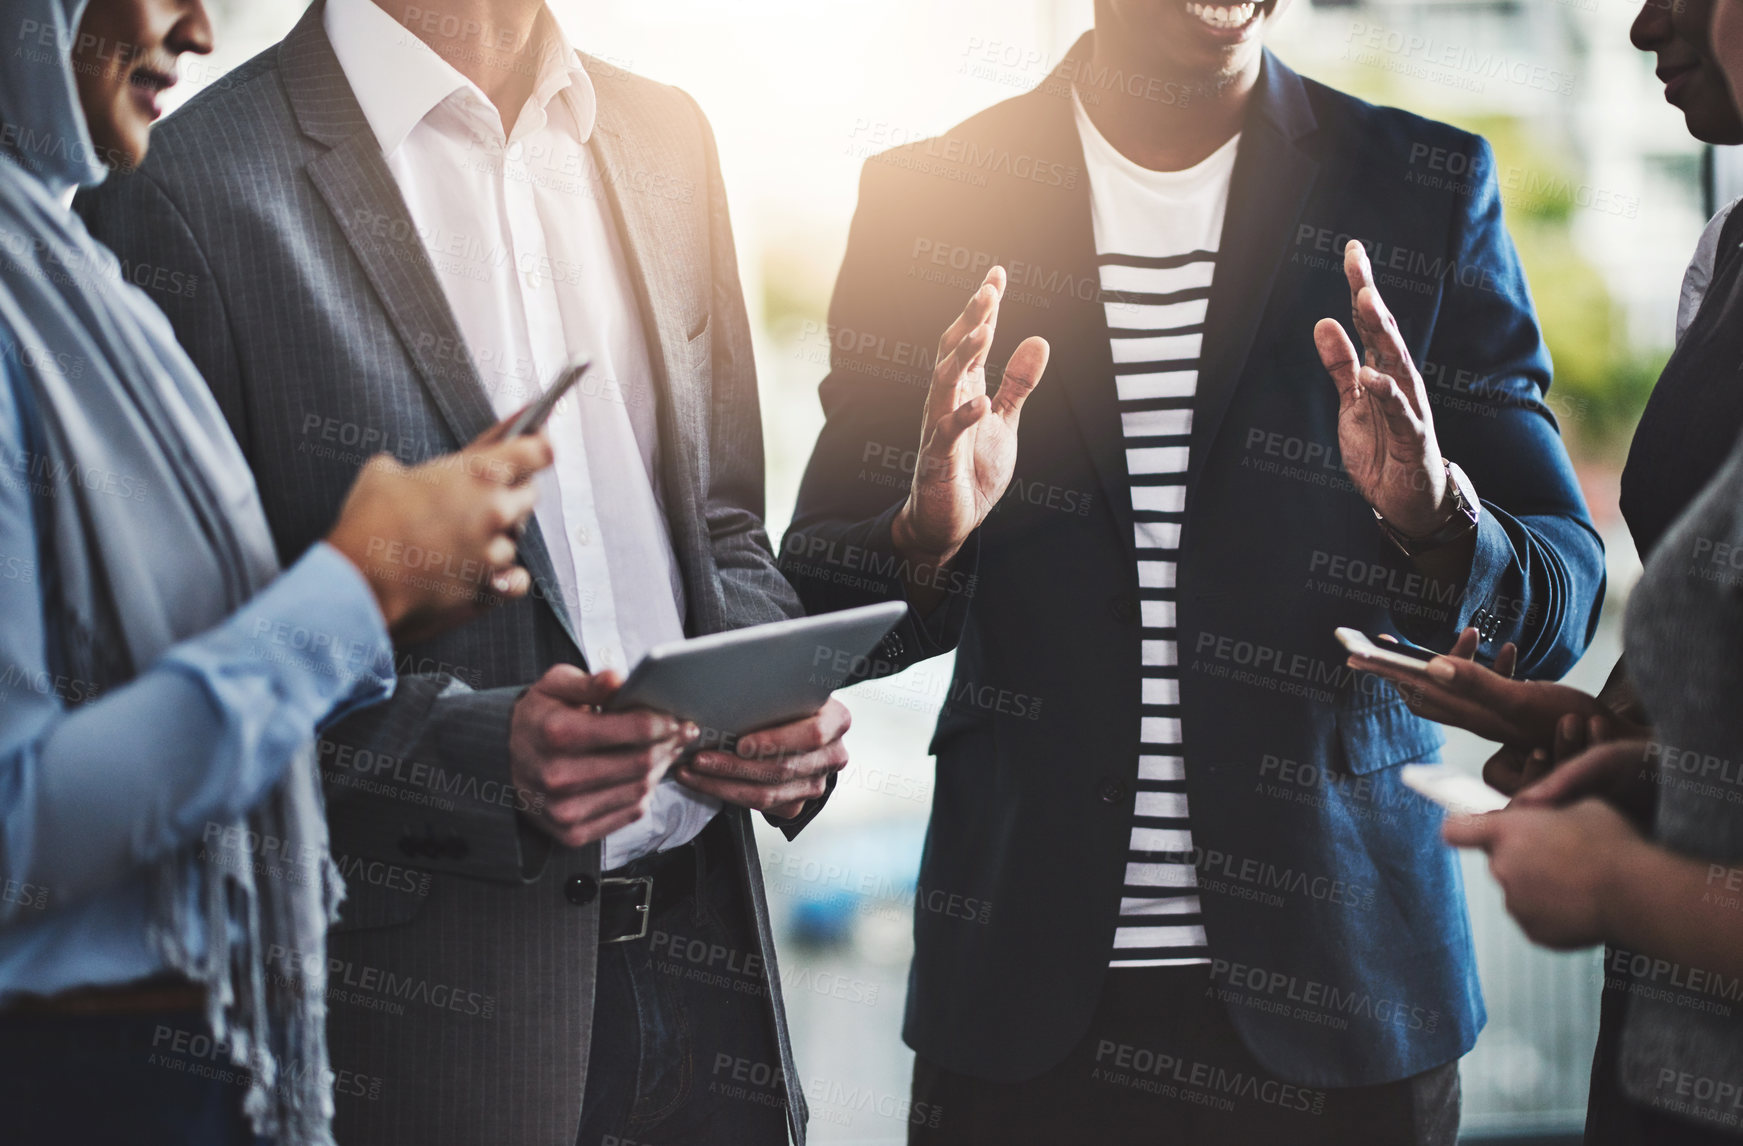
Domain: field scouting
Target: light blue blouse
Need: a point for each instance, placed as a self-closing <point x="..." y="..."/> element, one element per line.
<point x="92" y="795"/>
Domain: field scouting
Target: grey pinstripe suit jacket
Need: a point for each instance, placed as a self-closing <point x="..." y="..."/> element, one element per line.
<point x="267" y="225"/>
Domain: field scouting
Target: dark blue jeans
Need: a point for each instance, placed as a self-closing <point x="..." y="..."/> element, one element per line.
<point x="684" y="1050"/>
<point x="141" y="1080"/>
<point x="1163" y="1063"/>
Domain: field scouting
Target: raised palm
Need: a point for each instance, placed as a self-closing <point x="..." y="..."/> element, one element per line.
<point x="1385" y="429"/>
<point x="968" y="440"/>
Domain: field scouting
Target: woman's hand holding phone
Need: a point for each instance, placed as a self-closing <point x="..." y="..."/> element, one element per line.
<point x="437" y="541"/>
<point x="1455" y="690"/>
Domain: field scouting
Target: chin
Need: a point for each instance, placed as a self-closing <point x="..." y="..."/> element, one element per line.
<point x="121" y="146"/>
<point x="1717" y="126"/>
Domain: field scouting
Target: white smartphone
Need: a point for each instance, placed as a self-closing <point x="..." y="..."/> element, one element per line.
<point x="1452" y="788"/>
<point x="1407" y="657"/>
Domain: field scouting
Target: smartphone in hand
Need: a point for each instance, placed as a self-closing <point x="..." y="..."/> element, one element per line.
<point x="532" y="419"/>
<point x="1399" y="655"/>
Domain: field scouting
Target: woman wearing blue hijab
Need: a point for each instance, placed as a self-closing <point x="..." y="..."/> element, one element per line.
<point x="165" y="886"/>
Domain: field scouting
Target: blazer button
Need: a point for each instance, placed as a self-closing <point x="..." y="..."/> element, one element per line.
<point x="1124" y="609"/>
<point x="890" y="649"/>
<point x="1112" y="791"/>
<point x="580" y="890"/>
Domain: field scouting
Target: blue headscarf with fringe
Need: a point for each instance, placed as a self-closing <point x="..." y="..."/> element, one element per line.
<point x="135" y="577"/>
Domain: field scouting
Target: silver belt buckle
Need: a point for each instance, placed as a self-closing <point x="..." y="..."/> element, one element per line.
<point x="644" y="907"/>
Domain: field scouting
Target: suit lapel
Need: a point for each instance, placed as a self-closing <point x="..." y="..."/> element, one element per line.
<point x="1271" y="181"/>
<point x="354" y="181"/>
<point x="1058" y="224"/>
<point x="664" y="270"/>
<point x="1270" y="184"/>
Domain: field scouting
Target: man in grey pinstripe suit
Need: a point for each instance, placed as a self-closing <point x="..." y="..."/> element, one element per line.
<point x="382" y="234"/>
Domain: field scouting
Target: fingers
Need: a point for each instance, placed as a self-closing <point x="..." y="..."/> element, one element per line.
<point x="759" y="797"/>
<point x="1472" y="831"/>
<point x="576" y="731"/>
<point x="578" y="820"/>
<point x="964" y="346"/>
<point x="576" y="686"/>
<point x="1537" y="765"/>
<point x="1357" y="270"/>
<point x="1570" y="736"/>
<point x="1465" y="648"/>
<point x="949" y="431"/>
<point x="1402" y="421"/>
<point x="1594" y="772"/>
<point x="498" y="432"/>
<point x="1022" y="373"/>
<point x="983" y="304"/>
<point x="823" y="727"/>
<point x="1338" y="354"/>
<point x="586" y="830"/>
<point x="775" y="770"/>
<point x="769" y="771"/>
<point x="598" y="771"/>
<point x="511" y="461"/>
<point x="511" y="583"/>
<point x="1512" y="768"/>
<point x="1507" y="660"/>
<point x="951" y="385"/>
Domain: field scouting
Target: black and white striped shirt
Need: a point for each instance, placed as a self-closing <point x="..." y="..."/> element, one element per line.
<point x="1156" y="236"/>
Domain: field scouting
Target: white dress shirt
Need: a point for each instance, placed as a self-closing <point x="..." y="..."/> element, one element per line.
<point x="526" y="251"/>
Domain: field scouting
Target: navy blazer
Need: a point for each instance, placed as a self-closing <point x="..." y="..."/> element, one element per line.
<point x="1335" y="915"/>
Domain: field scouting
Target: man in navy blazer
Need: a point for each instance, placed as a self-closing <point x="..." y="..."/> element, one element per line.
<point x="1118" y="719"/>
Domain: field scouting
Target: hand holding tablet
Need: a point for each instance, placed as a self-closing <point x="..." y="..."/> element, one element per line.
<point x="736" y="682"/>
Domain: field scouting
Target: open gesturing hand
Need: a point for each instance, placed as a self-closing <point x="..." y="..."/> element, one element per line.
<point x="1385" y="429"/>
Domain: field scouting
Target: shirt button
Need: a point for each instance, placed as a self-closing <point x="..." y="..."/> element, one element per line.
<point x="516" y="150"/>
<point x="580" y="890"/>
<point x="531" y="278"/>
<point x="582" y="536"/>
<point x="1112" y="791"/>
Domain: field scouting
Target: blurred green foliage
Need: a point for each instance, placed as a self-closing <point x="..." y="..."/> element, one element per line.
<point x="1601" y="379"/>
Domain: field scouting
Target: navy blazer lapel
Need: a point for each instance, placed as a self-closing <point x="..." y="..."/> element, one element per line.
<point x="1271" y="181"/>
<point x="1270" y="184"/>
<point x="664" y="269"/>
<point x="1056" y="225"/>
<point x="353" y="179"/>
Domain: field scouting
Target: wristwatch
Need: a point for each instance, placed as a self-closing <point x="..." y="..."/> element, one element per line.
<point x="1466" y="510"/>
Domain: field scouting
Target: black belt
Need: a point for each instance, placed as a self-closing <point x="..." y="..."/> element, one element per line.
<point x="635" y="892"/>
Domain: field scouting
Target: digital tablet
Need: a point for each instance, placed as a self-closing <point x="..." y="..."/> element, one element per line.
<point x="737" y="682"/>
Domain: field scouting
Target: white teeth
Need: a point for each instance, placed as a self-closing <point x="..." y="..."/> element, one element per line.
<point x="1217" y="16"/>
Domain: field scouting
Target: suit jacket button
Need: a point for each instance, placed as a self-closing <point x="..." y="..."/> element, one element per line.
<point x="1112" y="791"/>
<point x="580" y="890"/>
<point x="890" y="649"/>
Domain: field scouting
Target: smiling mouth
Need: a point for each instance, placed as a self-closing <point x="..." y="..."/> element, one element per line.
<point x="1224" y="17"/>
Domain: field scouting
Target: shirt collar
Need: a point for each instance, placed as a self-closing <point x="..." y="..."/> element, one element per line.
<point x="399" y="80"/>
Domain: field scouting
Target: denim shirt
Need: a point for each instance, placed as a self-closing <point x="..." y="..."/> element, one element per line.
<point x="96" y="789"/>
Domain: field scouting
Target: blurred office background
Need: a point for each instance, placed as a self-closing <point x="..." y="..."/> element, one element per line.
<point x="1605" y="194"/>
